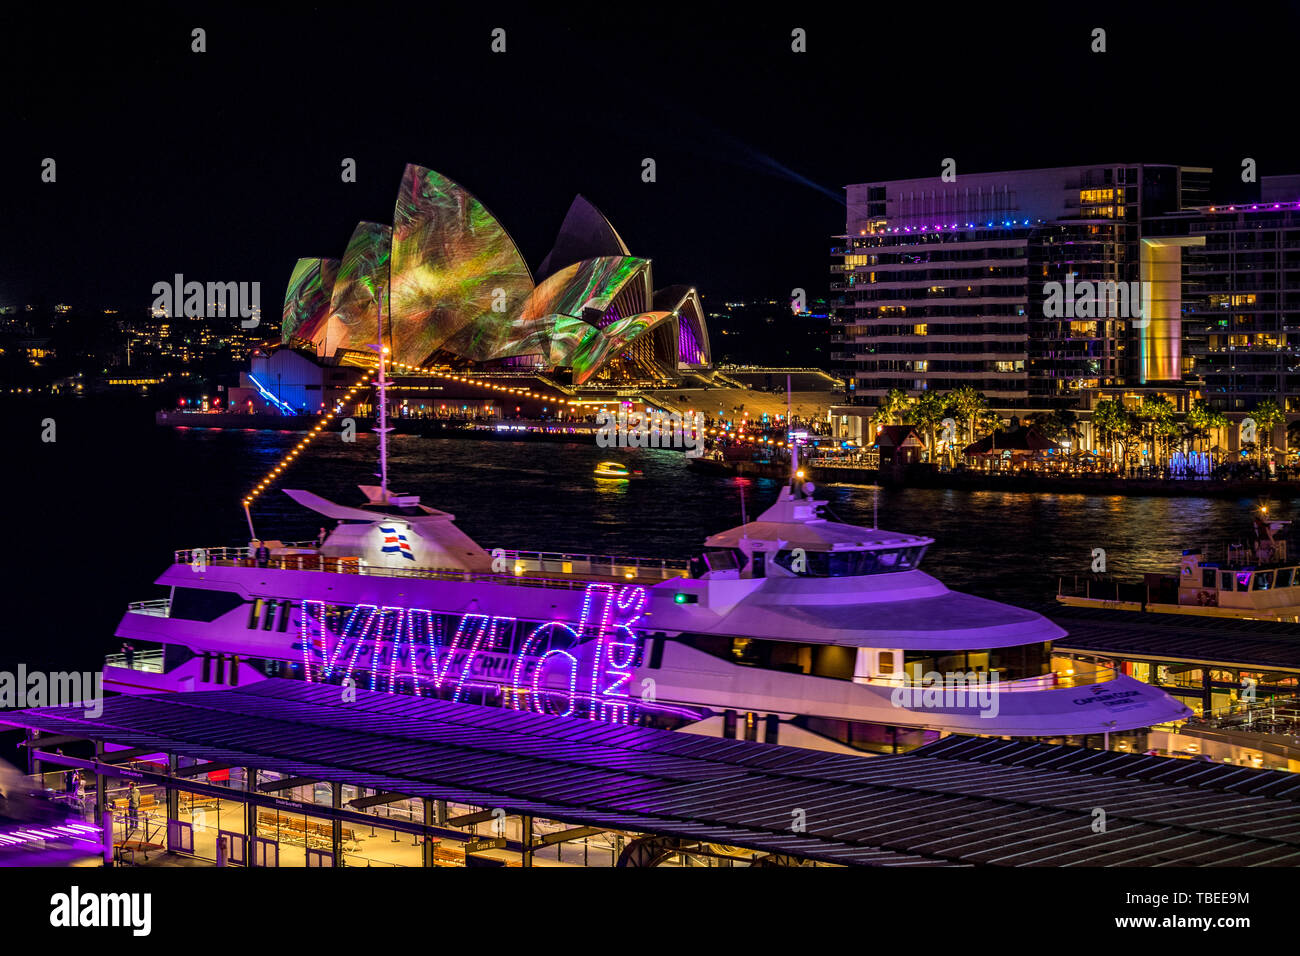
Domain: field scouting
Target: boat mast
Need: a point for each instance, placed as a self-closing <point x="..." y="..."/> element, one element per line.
<point x="383" y="428"/>
<point x="790" y="440"/>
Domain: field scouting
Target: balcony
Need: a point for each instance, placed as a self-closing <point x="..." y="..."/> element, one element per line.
<point x="162" y="607"/>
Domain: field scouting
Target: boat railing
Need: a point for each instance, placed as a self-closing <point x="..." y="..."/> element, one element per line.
<point x="158" y="607"/>
<point x="1058" y="679"/>
<point x="1102" y="589"/>
<point x="150" y="661"/>
<point x="1051" y="681"/>
<point x="606" y="565"/>
<point x="628" y="570"/>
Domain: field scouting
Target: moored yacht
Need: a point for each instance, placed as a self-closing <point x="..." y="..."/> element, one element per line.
<point x="791" y="628"/>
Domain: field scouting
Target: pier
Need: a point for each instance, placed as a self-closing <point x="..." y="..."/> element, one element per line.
<point x="283" y="772"/>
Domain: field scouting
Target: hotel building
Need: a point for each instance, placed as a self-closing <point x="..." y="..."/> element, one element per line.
<point x="1241" y="298"/>
<point x="941" y="284"/>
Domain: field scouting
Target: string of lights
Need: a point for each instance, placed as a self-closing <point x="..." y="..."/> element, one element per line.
<point x="327" y="417"/>
<point x="324" y="419"/>
<point x="480" y="383"/>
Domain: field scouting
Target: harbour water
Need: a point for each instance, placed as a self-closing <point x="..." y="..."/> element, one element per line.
<point x="110" y="500"/>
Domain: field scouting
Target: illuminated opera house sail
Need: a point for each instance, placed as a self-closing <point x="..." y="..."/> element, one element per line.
<point x="453" y="289"/>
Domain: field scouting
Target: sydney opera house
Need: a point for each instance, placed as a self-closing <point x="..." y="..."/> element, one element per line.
<point x="451" y="289"/>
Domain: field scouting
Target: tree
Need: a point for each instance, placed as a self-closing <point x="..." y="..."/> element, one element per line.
<point x="892" y="406"/>
<point x="1266" y="415"/>
<point x="1059" y="424"/>
<point x="928" y="412"/>
<point x="1115" y="424"/>
<point x="1201" y="420"/>
<point x="1157" y="412"/>
<point x="968" y="403"/>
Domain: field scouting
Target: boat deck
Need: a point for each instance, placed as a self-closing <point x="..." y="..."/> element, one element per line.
<point x="526" y="569"/>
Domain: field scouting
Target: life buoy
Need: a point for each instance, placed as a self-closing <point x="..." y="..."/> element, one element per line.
<point x="1207" y="598"/>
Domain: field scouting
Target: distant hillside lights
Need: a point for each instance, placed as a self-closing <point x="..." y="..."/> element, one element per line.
<point x="1092" y="299"/>
<point x="215" y="300"/>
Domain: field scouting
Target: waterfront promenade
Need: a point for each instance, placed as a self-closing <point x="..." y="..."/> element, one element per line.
<point x="970" y="480"/>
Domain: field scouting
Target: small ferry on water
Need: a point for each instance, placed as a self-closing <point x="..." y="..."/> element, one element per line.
<point x="1257" y="579"/>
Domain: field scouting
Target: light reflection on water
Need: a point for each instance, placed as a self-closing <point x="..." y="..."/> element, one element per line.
<point x="542" y="496"/>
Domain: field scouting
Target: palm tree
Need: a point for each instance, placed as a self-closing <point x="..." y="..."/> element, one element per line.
<point x="1158" y="412"/>
<point x="892" y="406"/>
<point x="968" y="403"/>
<point x="1201" y="420"/>
<point x="928" y="412"/>
<point x="1266" y="415"/>
<point x="1111" y="420"/>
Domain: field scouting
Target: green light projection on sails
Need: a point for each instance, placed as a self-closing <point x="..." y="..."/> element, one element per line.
<point x="307" y="299"/>
<point x="354" y="310"/>
<point x="453" y="265"/>
<point x="594" y="354"/>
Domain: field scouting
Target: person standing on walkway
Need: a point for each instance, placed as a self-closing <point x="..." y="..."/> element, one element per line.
<point x="133" y="805"/>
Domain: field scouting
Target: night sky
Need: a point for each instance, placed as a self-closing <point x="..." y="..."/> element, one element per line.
<point x="225" y="165"/>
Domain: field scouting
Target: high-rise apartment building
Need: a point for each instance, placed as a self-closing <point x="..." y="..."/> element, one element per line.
<point x="1241" y="298"/>
<point x="941" y="284"/>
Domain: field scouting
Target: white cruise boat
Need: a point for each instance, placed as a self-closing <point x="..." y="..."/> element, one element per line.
<point x="792" y="628"/>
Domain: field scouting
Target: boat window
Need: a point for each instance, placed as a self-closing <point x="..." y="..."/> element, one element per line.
<point x="1285" y="577"/>
<point x="1263" y="580"/>
<point x="203" y="604"/>
<point x="1009" y="663"/>
<point x="845" y="564"/>
<point x="1225" y="580"/>
<point x="1207" y="577"/>
<point x="1243" y="580"/>
<point x="831" y="660"/>
<point x="723" y="559"/>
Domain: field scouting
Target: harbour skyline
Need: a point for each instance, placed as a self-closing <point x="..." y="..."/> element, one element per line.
<point x="848" y="438"/>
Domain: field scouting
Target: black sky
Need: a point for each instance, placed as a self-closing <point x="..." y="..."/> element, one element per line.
<point x="225" y="165"/>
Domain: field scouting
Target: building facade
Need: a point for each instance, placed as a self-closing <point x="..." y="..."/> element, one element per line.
<point x="943" y="284"/>
<point x="1241" y="299"/>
